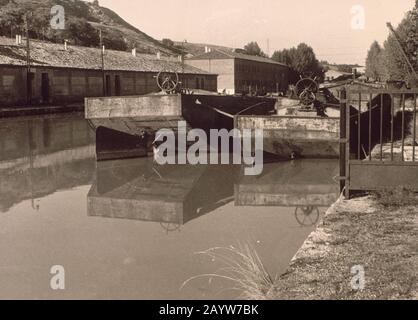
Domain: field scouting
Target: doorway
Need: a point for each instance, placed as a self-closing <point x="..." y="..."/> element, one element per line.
<point x="45" y="88"/>
<point x="108" y="86"/>
<point x="29" y="87"/>
<point x="117" y="85"/>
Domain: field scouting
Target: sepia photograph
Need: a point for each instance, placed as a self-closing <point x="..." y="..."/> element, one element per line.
<point x="238" y="151"/>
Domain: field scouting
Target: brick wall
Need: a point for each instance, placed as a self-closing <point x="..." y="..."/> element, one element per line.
<point x="62" y="86"/>
<point x="12" y="85"/>
<point x="260" y="76"/>
<point x="237" y="75"/>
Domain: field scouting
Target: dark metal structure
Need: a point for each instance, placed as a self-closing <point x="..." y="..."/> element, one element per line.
<point x="167" y="82"/>
<point x="373" y="151"/>
<point x="306" y="90"/>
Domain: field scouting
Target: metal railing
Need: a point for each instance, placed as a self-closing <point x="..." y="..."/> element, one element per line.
<point x="381" y="131"/>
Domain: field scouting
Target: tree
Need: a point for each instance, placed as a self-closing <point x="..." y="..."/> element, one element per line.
<point x="168" y="43"/>
<point x="302" y="62"/>
<point x="396" y="67"/>
<point x="374" y="62"/>
<point x="114" y="41"/>
<point x="285" y="56"/>
<point x="82" y="33"/>
<point x="253" y="49"/>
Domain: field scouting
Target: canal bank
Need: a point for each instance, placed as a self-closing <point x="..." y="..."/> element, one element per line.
<point x="376" y="233"/>
<point x="9" y="112"/>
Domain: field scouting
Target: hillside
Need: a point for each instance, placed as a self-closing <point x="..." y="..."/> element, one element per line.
<point x="199" y="48"/>
<point x="82" y="23"/>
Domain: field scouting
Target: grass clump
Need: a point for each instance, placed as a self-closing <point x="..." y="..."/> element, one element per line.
<point x="397" y="197"/>
<point x="244" y="269"/>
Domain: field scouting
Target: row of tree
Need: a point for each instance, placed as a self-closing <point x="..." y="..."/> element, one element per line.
<point x="301" y="60"/>
<point x="386" y="63"/>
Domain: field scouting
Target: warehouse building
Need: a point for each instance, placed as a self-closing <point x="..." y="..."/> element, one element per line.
<point x="61" y="74"/>
<point x="242" y="73"/>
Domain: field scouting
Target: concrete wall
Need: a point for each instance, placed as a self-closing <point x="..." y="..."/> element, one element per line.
<point x="303" y="125"/>
<point x="135" y="106"/>
<point x="304" y="137"/>
<point x="72" y="86"/>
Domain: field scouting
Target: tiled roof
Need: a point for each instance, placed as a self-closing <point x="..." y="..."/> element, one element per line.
<point x="53" y="55"/>
<point x="219" y="54"/>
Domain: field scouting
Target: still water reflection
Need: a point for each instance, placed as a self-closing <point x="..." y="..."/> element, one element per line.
<point x="131" y="228"/>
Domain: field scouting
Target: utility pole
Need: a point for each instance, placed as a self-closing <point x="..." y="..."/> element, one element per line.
<point x="28" y="76"/>
<point x="182" y="55"/>
<point x="268" y="47"/>
<point x="103" y="66"/>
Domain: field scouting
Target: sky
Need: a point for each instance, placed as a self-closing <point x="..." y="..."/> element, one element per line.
<point x="336" y="33"/>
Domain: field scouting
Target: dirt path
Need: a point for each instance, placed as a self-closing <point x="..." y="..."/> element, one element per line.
<point x="360" y="232"/>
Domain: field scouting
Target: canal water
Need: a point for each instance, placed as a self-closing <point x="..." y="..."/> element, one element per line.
<point x="132" y="229"/>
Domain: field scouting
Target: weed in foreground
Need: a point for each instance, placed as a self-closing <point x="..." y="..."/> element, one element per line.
<point x="244" y="269"/>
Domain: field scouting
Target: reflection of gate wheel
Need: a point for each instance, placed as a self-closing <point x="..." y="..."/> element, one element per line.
<point x="307" y="216"/>
<point x="170" y="227"/>
<point x="167" y="82"/>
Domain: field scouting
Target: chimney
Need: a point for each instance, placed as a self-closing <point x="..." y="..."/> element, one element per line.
<point x="65" y="45"/>
<point x="354" y="73"/>
<point x="18" y="39"/>
<point x="134" y="52"/>
<point x="158" y="55"/>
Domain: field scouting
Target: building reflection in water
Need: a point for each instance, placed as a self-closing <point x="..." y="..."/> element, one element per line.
<point x="307" y="185"/>
<point x="140" y="189"/>
<point x="40" y="155"/>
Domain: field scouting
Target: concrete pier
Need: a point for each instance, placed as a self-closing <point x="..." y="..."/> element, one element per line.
<point x="306" y="137"/>
<point x="135" y="106"/>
